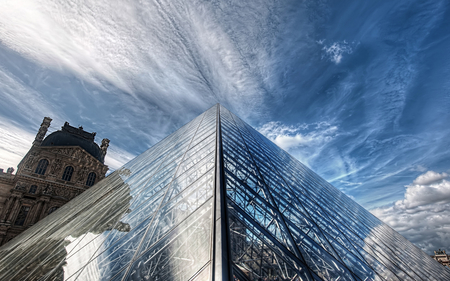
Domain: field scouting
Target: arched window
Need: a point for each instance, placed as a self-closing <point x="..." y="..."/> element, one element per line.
<point x="52" y="209"/>
<point x="67" y="173"/>
<point x="91" y="179"/>
<point x="41" y="167"/>
<point x="33" y="189"/>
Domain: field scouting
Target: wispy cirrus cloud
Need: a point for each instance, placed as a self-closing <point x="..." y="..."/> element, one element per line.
<point x="167" y="54"/>
<point x="14" y="144"/>
<point x="422" y="215"/>
<point x="147" y="67"/>
<point x="117" y="157"/>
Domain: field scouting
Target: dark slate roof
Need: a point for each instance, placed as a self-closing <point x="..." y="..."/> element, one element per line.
<point x="71" y="136"/>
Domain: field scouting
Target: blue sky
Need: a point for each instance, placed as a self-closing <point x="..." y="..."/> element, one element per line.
<point x="359" y="91"/>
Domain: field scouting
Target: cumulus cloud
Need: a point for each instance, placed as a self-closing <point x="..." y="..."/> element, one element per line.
<point x="429" y="177"/>
<point x="422" y="215"/>
<point x="336" y="51"/>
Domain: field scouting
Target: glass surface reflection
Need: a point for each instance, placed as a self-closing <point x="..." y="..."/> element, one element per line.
<point x="157" y="218"/>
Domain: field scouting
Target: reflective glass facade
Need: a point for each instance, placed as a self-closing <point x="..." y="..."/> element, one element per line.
<point x="215" y="200"/>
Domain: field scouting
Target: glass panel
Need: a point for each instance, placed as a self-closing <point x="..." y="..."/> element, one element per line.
<point x="180" y="254"/>
<point x="256" y="260"/>
<point x="104" y="225"/>
<point x="329" y="228"/>
<point x="152" y="220"/>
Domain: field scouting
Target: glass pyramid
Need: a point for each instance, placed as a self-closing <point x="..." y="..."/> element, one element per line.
<point x="215" y="200"/>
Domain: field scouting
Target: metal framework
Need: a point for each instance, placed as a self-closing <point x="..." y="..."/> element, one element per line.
<point x="215" y="200"/>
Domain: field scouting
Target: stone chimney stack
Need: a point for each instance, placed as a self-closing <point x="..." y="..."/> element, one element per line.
<point x="104" y="147"/>
<point x="42" y="131"/>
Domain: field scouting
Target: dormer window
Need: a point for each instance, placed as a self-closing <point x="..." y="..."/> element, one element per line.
<point x="67" y="173"/>
<point x="91" y="179"/>
<point x="41" y="167"/>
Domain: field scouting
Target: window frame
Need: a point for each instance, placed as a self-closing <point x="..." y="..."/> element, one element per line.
<point x="32" y="188"/>
<point x="92" y="176"/>
<point x="24" y="212"/>
<point x="41" y="168"/>
<point x="68" y="172"/>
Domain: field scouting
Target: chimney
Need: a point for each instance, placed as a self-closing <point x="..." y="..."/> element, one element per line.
<point x="104" y="147"/>
<point x="42" y="131"/>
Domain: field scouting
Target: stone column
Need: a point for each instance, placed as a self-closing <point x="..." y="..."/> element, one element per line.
<point x="38" y="209"/>
<point x="15" y="209"/>
<point x="44" y="208"/>
<point x="3" y="232"/>
<point x="29" y="221"/>
<point x="6" y="209"/>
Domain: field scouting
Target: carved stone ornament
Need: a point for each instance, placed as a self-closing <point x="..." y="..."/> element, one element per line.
<point x="65" y="151"/>
<point x="82" y="173"/>
<point x="48" y="190"/>
<point x="63" y="192"/>
<point x="30" y="160"/>
<point x="56" y="166"/>
<point x="21" y="186"/>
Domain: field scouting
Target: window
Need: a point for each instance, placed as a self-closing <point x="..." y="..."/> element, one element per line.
<point x="91" y="179"/>
<point x="52" y="209"/>
<point x="33" y="189"/>
<point x="67" y="173"/>
<point x="20" y="220"/>
<point x="41" y="167"/>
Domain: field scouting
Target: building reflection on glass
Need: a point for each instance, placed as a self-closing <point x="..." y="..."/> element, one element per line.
<point x="215" y="200"/>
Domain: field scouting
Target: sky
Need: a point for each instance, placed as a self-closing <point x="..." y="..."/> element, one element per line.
<point x="359" y="91"/>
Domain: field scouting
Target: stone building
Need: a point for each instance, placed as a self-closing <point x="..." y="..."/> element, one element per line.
<point x="442" y="257"/>
<point x="56" y="169"/>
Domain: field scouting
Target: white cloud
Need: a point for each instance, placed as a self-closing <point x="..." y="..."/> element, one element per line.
<point x="16" y="97"/>
<point x="349" y="183"/>
<point x="335" y="51"/>
<point x="422" y="216"/>
<point x="176" y="54"/>
<point x="429" y="177"/>
<point x="288" y="137"/>
<point x="304" y="141"/>
<point x="14" y="144"/>
<point x="117" y="157"/>
<point x="419" y="168"/>
<point x="174" y="58"/>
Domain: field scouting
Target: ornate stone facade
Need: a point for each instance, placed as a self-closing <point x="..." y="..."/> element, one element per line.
<point x="54" y="171"/>
<point x="442" y="257"/>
